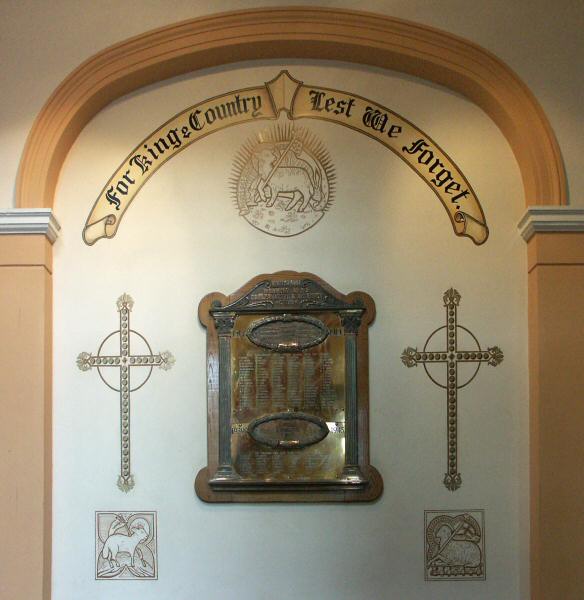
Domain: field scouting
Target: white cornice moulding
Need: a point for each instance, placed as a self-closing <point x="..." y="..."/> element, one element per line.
<point x="17" y="221"/>
<point x="556" y="219"/>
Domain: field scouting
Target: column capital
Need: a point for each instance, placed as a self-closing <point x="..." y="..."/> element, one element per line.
<point x="29" y="221"/>
<point x="224" y="322"/>
<point x="351" y="320"/>
<point x="551" y="219"/>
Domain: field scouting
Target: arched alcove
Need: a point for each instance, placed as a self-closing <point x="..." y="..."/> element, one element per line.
<point x="305" y="33"/>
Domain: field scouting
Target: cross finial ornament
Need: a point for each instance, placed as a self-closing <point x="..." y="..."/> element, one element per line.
<point x="452" y="356"/>
<point x="125" y="362"/>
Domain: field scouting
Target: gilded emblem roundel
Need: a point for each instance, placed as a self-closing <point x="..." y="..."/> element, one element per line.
<point x="283" y="181"/>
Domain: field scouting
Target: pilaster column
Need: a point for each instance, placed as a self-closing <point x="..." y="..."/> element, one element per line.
<point x="26" y="237"/>
<point x="351" y="320"/>
<point x="555" y="252"/>
<point x="224" y="323"/>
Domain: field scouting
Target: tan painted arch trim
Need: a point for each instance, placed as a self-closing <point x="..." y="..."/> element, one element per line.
<point x="300" y="32"/>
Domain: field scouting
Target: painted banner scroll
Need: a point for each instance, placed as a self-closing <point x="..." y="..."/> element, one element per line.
<point x="298" y="101"/>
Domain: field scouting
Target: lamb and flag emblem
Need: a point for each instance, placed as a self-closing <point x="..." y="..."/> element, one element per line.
<point x="283" y="181"/>
<point x="125" y="545"/>
<point x="455" y="545"/>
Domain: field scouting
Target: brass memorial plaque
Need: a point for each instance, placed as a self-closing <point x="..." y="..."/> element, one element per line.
<point x="287" y="393"/>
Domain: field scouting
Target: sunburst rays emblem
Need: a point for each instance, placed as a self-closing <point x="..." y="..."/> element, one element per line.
<point x="283" y="181"/>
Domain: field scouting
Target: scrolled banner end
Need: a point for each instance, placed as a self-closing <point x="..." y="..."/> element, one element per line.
<point x="105" y="227"/>
<point x="467" y="226"/>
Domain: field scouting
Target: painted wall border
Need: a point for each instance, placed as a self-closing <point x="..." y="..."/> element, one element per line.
<point x="321" y="33"/>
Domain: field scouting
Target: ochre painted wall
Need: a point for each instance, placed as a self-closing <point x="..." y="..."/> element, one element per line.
<point x="556" y="291"/>
<point x="25" y="426"/>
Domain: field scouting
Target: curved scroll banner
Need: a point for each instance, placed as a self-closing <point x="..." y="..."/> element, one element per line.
<point x="196" y="122"/>
<point x="299" y="101"/>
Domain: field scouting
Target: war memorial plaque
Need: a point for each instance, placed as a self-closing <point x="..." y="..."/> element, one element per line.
<point x="287" y="391"/>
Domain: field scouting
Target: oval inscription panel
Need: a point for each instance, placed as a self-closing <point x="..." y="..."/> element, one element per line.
<point x="288" y="430"/>
<point x="287" y="333"/>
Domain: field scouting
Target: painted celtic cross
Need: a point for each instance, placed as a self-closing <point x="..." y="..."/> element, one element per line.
<point x="453" y="356"/>
<point x="124" y="362"/>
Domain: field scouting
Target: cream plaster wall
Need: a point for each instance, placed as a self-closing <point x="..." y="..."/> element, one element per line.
<point x="42" y="42"/>
<point x="386" y="234"/>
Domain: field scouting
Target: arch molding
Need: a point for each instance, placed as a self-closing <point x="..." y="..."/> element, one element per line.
<point x="283" y="33"/>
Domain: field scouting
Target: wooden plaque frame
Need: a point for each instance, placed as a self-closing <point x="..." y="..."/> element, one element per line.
<point x="293" y="304"/>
